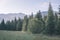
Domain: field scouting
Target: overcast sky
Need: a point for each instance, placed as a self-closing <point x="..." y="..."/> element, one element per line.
<point x="27" y="6"/>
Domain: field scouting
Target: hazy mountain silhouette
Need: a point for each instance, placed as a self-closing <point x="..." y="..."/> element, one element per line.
<point x="11" y="16"/>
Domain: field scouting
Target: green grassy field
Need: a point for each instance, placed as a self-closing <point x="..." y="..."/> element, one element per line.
<point x="17" y="35"/>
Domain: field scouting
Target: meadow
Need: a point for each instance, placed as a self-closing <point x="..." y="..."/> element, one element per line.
<point x="17" y="35"/>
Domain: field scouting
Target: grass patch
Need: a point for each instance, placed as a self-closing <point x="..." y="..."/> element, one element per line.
<point x="17" y="35"/>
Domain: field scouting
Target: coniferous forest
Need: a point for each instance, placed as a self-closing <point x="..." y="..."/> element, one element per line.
<point x="49" y="24"/>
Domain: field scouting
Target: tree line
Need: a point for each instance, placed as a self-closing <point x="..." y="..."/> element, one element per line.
<point x="13" y="25"/>
<point x="49" y="24"/>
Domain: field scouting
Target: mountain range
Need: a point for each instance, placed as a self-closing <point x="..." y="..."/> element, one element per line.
<point x="11" y="16"/>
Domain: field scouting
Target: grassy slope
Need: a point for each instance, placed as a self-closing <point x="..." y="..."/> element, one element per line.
<point x="17" y="35"/>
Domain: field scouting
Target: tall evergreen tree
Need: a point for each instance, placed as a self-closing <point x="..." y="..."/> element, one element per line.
<point x="56" y="19"/>
<point x="8" y="25"/>
<point x="3" y="26"/>
<point x="38" y="15"/>
<point x="58" y="23"/>
<point x="35" y="25"/>
<point x="19" y="25"/>
<point x="15" y="23"/>
<point x="25" y="23"/>
<point x="12" y="23"/>
<point x="50" y="21"/>
<point x="58" y="27"/>
<point x="29" y="21"/>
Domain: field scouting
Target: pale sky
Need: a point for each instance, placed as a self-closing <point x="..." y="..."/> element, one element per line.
<point x="26" y="6"/>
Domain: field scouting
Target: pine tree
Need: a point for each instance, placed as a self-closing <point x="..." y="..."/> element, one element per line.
<point x="25" y="23"/>
<point x="58" y="23"/>
<point x="8" y="25"/>
<point x="3" y="26"/>
<point x="50" y="21"/>
<point x="15" y="23"/>
<point x="19" y="25"/>
<point x="29" y="21"/>
<point x="56" y="19"/>
<point x="58" y="27"/>
<point x="35" y="25"/>
<point x="12" y="23"/>
<point x="38" y="15"/>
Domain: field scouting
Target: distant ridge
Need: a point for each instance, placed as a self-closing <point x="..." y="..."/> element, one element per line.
<point x="11" y="16"/>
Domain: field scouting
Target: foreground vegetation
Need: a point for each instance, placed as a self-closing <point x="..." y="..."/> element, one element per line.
<point x="17" y="35"/>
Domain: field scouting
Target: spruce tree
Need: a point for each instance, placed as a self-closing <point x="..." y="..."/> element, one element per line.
<point x="9" y="26"/>
<point x="35" y="24"/>
<point x="58" y="27"/>
<point x="12" y="23"/>
<point x="50" y="21"/>
<point x="29" y="21"/>
<point x="56" y="19"/>
<point x="25" y="23"/>
<point x="38" y="15"/>
<point x="3" y="26"/>
<point x="15" y="23"/>
<point x="19" y="25"/>
<point x="58" y="23"/>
